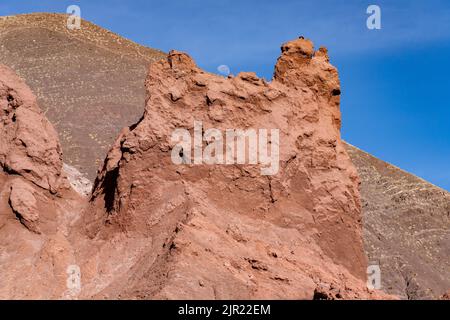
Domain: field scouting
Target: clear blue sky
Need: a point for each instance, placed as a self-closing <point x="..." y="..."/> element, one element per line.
<point x="395" y="81"/>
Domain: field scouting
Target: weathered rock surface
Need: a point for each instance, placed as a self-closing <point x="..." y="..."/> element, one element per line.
<point x="155" y="229"/>
<point x="36" y="201"/>
<point x="29" y="145"/>
<point x="77" y="180"/>
<point x="217" y="231"/>
<point x="24" y="204"/>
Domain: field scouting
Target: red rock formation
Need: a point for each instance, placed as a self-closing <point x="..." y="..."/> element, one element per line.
<point x="36" y="202"/>
<point x="226" y="231"/>
<point x="157" y="229"/>
<point x="29" y="149"/>
<point x="29" y="144"/>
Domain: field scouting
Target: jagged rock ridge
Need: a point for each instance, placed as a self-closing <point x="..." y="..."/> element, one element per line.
<point x="227" y="231"/>
<point x="88" y="81"/>
<point x="154" y="229"/>
<point x="92" y="77"/>
<point x="406" y="228"/>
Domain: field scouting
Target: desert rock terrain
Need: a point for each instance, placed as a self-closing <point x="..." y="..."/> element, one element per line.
<point x="298" y="234"/>
<point x="155" y="229"/>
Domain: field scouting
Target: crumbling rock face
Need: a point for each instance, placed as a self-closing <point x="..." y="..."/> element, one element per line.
<point x="88" y="81"/>
<point x="227" y="231"/>
<point x="24" y="204"/>
<point x="89" y="84"/>
<point x="155" y="229"/>
<point x="36" y="201"/>
<point x="30" y="154"/>
<point x="29" y="144"/>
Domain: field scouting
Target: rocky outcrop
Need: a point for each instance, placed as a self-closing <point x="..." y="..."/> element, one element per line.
<point x="24" y="204"/>
<point x="29" y="145"/>
<point x="77" y="180"/>
<point x="164" y="223"/>
<point x="37" y="204"/>
<point x="198" y="230"/>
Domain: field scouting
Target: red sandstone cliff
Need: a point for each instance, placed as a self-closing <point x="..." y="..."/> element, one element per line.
<point x="226" y="231"/>
<point x="155" y="229"/>
<point x="36" y="201"/>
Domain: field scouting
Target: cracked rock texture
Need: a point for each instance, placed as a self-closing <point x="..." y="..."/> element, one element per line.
<point x="152" y="229"/>
<point x="23" y="203"/>
<point x="89" y="83"/>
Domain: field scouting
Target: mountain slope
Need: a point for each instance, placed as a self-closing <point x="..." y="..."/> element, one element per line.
<point x="406" y="228"/>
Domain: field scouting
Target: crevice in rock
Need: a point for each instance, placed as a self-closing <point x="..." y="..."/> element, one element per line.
<point x="109" y="186"/>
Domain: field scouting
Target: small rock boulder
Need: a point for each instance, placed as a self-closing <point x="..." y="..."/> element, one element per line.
<point x="24" y="204"/>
